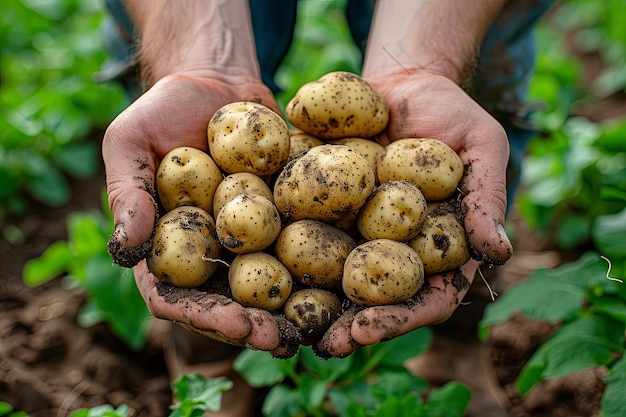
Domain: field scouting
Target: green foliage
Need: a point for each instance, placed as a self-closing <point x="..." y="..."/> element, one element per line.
<point x="576" y="170"/>
<point x="587" y="299"/>
<point x="372" y="382"/>
<point x="112" y="294"/>
<point x="322" y="43"/>
<point x="102" y="411"/>
<point x="196" y="394"/>
<point x="50" y="103"/>
<point x="6" y="410"/>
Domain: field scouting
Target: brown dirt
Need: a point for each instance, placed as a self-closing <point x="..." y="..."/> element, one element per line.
<point x="49" y="365"/>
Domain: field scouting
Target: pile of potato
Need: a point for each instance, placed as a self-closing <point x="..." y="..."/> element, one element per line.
<point x="309" y="219"/>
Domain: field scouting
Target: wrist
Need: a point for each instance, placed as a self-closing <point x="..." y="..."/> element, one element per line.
<point x="441" y="37"/>
<point x="396" y="59"/>
<point x="198" y="38"/>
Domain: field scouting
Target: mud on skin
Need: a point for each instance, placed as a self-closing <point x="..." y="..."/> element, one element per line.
<point x="126" y="256"/>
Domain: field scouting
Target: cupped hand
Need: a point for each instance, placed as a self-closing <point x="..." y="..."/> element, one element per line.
<point x="175" y="112"/>
<point x="432" y="106"/>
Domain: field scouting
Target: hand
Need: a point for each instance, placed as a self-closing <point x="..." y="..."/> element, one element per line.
<point x="175" y="112"/>
<point x="426" y="105"/>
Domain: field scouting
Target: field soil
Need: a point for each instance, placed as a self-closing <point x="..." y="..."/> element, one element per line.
<point x="50" y="366"/>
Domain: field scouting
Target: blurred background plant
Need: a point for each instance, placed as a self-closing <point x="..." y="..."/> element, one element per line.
<point x="50" y="104"/>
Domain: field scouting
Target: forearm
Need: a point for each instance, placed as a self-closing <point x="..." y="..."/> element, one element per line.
<point x="440" y="36"/>
<point x="194" y="37"/>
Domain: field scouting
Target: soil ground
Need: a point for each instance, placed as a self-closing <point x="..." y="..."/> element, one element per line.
<point x="49" y="365"/>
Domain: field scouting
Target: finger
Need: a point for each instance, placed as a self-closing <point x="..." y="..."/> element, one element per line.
<point x="290" y="338"/>
<point x="204" y="311"/>
<point x="338" y="340"/>
<point x="484" y="185"/>
<point x="130" y="186"/>
<point x="433" y="304"/>
<point x="264" y="332"/>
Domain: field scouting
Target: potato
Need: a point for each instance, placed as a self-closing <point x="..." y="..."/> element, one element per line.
<point x="327" y="183"/>
<point x="442" y="243"/>
<point x="430" y="164"/>
<point x="247" y="223"/>
<point x="248" y="137"/>
<point x="187" y="177"/>
<point x="301" y="142"/>
<point x="259" y="280"/>
<point x="382" y="271"/>
<point x="370" y="149"/>
<point x="338" y="105"/>
<point x="396" y="210"/>
<point x="185" y="248"/>
<point x="314" y="252"/>
<point x="239" y="183"/>
<point x="312" y="310"/>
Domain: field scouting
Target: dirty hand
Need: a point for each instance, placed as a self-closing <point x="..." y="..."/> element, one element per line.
<point x="175" y="112"/>
<point x="426" y="105"/>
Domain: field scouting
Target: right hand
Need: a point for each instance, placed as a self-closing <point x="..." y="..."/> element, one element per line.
<point x="175" y="112"/>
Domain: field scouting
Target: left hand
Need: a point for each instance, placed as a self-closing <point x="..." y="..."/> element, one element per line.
<point x="432" y="106"/>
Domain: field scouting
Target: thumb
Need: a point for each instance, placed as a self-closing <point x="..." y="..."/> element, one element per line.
<point x="130" y="174"/>
<point x="485" y="200"/>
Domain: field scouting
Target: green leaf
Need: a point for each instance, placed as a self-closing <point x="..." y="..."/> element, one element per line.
<point x="547" y="294"/>
<point x="104" y="410"/>
<point x="573" y="231"/>
<point x="407" y="406"/>
<point x="450" y="400"/>
<point x="588" y="341"/>
<point x="328" y="370"/>
<point x="611" y="306"/>
<point x="57" y="259"/>
<point x="196" y="394"/>
<point x="344" y="398"/>
<point x="85" y="234"/>
<point x="260" y="369"/>
<point x="50" y="188"/>
<point x="312" y="390"/>
<point x="79" y="159"/>
<point x="397" y="384"/>
<point x="613" y="399"/>
<point x="282" y="401"/>
<point x="612" y="136"/>
<point x="395" y="352"/>
<point x="114" y="291"/>
<point x="609" y="234"/>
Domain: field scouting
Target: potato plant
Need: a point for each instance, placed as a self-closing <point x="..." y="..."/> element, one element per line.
<point x="310" y="220"/>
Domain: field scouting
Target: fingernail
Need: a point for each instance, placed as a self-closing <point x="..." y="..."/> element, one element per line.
<point x="503" y="234"/>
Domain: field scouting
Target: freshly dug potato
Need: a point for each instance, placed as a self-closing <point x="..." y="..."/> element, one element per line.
<point x="301" y="142"/>
<point x="370" y="149"/>
<point x="327" y="183"/>
<point x="259" y="280"/>
<point x="382" y="271"/>
<point x="338" y="105"/>
<point x="239" y="183"/>
<point x="314" y="252"/>
<point x="187" y="177"/>
<point x="396" y="210"/>
<point x="312" y="310"/>
<point x="248" y="137"/>
<point x="185" y="248"/>
<point x="430" y="164"/>
<point x="442" y="243"/>
<point x="247" y="223"/>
